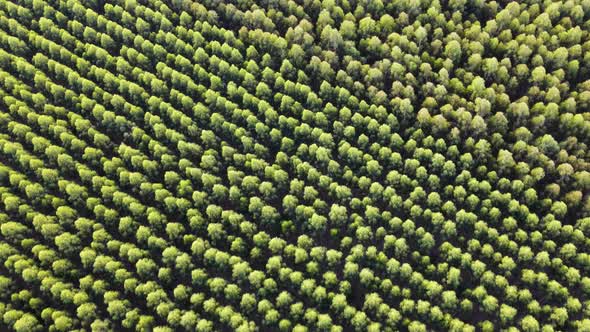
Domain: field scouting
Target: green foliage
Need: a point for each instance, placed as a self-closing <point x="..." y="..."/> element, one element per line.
<point x="294" y="166"/>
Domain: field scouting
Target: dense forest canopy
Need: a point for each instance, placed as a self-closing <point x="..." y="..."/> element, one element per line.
<point x="294" y="165"/>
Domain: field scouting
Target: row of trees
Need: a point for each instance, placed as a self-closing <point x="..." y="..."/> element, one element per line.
<point x="351" y="166"/>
